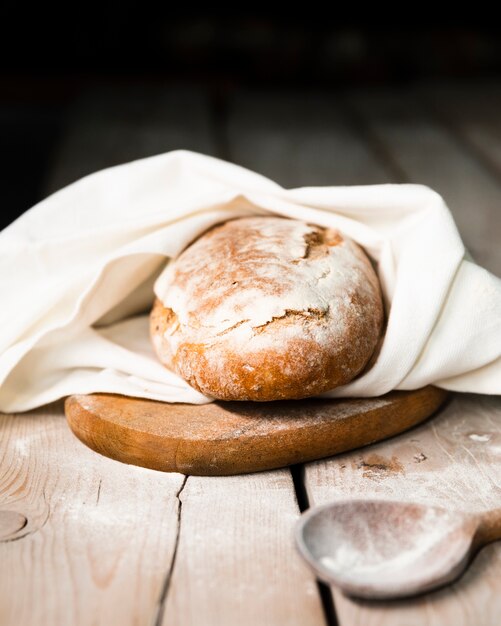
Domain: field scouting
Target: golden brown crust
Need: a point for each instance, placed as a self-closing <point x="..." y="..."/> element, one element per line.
<point x="267" y="308"/>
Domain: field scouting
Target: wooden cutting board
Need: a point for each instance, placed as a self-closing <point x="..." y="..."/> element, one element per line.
<point x="223" y="438"/>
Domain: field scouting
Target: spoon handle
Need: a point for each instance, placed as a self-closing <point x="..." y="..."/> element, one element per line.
<point x="489" y="527"/>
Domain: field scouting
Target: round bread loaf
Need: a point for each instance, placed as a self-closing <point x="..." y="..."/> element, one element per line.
<point x="267" y="308"/>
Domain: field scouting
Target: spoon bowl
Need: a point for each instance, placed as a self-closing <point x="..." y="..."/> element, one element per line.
<point x="380" y="549"/>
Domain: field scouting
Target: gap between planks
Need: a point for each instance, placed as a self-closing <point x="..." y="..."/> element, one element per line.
<point x="158" y="617"/>
<point x="326" y="597"/>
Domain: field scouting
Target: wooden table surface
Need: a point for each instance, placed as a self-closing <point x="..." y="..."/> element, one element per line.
<point x="99" y="542"/>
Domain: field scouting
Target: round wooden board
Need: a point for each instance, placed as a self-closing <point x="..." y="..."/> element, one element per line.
<point x="223" y="438"/>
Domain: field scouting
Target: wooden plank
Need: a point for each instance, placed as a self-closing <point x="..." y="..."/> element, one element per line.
<point x="104" y="533"/>
<point x="426" y="152"/>
<point x="114" y="125"/>
<point x="29" y="130"/>
<point x="93" y="569"/>
<point x="299" y="139"/>
<point x="98" y="534"/>
<point x="236" y="560"/>
<point x="471" y="112"/>
<point x="400" y="131"/>
<point x="452" y="461"/>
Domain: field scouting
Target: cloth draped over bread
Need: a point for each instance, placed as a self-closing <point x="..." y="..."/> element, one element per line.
<point x="78" y="274"/>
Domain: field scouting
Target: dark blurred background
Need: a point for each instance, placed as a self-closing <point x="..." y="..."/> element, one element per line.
<point x="46" y="64"/>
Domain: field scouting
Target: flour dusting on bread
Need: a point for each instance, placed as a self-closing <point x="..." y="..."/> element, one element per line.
<point x="268" y="308"/>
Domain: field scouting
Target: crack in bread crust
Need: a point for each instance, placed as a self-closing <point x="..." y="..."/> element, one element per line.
<point x="291" y="316"/>
<point x="319" y="240"/>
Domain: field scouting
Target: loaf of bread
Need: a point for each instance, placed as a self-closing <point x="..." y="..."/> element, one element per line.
<point x="268" y="308"/>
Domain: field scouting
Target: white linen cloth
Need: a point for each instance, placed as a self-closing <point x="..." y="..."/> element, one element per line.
<point x="77" y="273"/>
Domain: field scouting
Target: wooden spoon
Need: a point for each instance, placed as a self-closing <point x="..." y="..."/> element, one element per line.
<point x="380" y="549"/>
